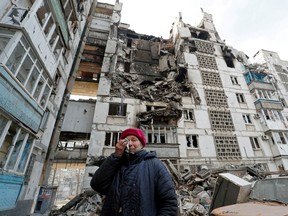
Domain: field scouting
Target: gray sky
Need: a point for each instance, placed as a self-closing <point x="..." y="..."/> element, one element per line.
<point x="246" y="25"/>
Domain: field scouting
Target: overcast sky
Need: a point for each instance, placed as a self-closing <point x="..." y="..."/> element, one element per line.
<point x="246" y="25"/>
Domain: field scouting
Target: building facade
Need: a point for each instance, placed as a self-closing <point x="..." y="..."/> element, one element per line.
<point x="200" y="102"/>
<point x="39" y="41"/>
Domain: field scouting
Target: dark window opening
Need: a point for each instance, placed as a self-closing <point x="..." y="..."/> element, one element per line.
<point x="228" y="56"/>
<point x="188" y="115"/>
<point x="203" y="35"/>
<point x="182" y="73"/>
<point x="86" y="75"/>
<point x="117" y="109"/>
<point x="283" y="102"/>
<point x="240" y="98"/>
<point x="192" y="141"/>
<point x="254" y="142"/>
<point x="162" y="138"/>
<point x="192" y="47"/>
<point x="127" y="67"/>
<point x="148" y="108"/>
<point x="111" y="139"/>
<point x="129" y="42"/>
<point x="229" y="62"/>
<point x="234" y="80"/>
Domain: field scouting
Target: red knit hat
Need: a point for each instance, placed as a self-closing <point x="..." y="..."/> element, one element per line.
<point x="136" y="132"/>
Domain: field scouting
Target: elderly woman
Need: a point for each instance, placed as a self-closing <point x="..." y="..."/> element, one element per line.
<point x="134" y="181"/>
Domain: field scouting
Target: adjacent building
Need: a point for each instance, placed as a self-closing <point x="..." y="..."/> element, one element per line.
<point x="39" y="45"/>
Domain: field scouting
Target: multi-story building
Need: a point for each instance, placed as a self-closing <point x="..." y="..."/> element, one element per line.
<point x="39" y="41"/>
<point x="199" y="101"/>
<point x="192" y="96"/>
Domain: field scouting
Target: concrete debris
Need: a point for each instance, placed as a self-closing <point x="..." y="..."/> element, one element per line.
<point x="165" y="90"/>
<point x="149" y="70"/>
<point x="87" y="203"/>
<point x="161" y="115"/>
<point x="194" y="191"/>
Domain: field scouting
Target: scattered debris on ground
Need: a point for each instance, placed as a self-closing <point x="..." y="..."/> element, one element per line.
<point x="194" y="191"/>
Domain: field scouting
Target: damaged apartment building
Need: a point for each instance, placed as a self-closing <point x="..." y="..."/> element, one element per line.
<point x="200" y="102"/>
<point x="39" y="40"/>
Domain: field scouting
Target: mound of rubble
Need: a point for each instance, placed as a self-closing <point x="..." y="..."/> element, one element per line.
<point x="194" y="191"/>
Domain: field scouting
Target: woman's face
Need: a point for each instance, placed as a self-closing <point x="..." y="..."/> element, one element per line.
<point x="134" y="144"/>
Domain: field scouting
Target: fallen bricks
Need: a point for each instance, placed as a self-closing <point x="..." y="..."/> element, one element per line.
<point x="194" y="192"/>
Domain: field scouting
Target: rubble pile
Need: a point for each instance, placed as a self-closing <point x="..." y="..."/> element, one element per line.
<point x="165" y="90"/>
<point x="87" y="203"/>
<point x="194" y="191"/>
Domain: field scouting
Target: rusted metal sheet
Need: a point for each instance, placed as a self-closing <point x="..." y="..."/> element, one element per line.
<point x="252" y="209"/>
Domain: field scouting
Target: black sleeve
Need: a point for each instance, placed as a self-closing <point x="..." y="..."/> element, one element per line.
<point x="166" y="194"/>
<point x="104" y="175"/>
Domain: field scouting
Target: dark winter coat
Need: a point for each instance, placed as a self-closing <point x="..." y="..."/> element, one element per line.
<point x="135" y="185"/>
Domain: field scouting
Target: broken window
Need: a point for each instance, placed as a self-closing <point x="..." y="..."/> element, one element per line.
<point x="129" y="42"/>
<point x="118" y="109"/>
<point x="48" y="25"/>
<point x="280" y="137"/>
<point x="16" y="57"/>
<point x="247" y="119"/>
<point x="57" y="48"/>
<point x="254" y="143"/>
<point x="229" y="61"/>
<point x="266" y="114"/>
<point x="157" y="137"/>
<point x="16" y="15"/>
<point x="240" y="98"/>
<point x="280" y="115"/>
<point x="283" y="102"/>
<point x="4" y="143"/>
<point x="29" y="169"/>
<point x="111" y="138"/>
<point x="160" y="134"/>
<point x="70" y="15"/>
<point x="20" y="144"/>
<point x="25" y="154"/>
<point x="181" y="76"/>
<point x="127" y="67"/>
<point x="26" y="67"/>
<point x="188" y="114"/>
<point x="21" y="138"/>
<point x="273" y="115"/>
<point x="43" y="14"/>
<point x="228" y="56"/>
<point x="5" y="36"/>
<point x="45" y="95"/>
<point x="71" y="145"/>
<point x="192" y="141"/>
<point x="44" y="120"/>
<point x="234" y="80"/>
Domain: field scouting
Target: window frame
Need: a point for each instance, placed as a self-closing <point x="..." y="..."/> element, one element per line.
<point x="115" y="109"/>
<point x="188" y="115"/>
<point x="192" y="137"/>
<point x="234" y="80"/>
<point x="254" y="143"/>
<point x="247" y="118"/>
<point x="240" y="98"/>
